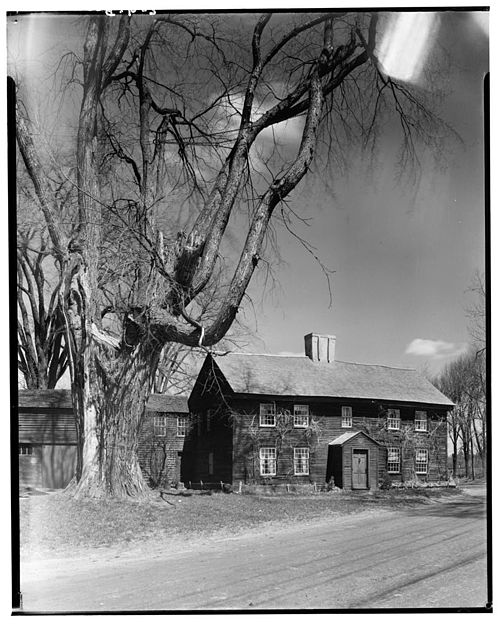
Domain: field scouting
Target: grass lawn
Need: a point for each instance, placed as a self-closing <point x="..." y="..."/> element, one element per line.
<point x="54" y="524"/>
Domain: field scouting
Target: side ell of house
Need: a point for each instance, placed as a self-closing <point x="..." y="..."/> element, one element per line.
<point x="270" y="419"/>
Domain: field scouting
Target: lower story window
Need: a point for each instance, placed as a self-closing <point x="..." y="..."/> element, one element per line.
<point x="301" y="461"/>
<point x="421" y="461"/>
<point x="267" y="457"/>
<point x="393" y="459"/>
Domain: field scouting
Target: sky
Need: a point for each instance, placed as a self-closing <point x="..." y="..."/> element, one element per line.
<point x="402" y="257"/>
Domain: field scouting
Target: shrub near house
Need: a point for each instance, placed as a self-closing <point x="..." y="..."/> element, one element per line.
<point x="271" y="419"/>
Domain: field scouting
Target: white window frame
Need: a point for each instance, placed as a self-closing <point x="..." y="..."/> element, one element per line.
<point x="421" y="420"/>
<point x="421" y="461"/>
<point x="396" y="463"/>
<point x="346" y="417"/>
<point x="26" y="449"/>
<point x="160" y="426"/>
<point x="267" y="461"/>
<point x="267" y="414"/>
<point x="301" y="416"/>
<point x="394" y="419"/>
<point x="182" y="425"/>
<point x="301" y="461"/>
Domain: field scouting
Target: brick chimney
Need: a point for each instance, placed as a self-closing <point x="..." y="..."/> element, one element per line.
<point x="320" y="347"/>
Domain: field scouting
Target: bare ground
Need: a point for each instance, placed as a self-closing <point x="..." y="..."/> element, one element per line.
<point x="54" y="525"/>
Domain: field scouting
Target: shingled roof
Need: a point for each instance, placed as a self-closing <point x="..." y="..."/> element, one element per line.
<point x="61" y="399"/>
<point x="300" y="376"/>
<point x="167" y="403"/>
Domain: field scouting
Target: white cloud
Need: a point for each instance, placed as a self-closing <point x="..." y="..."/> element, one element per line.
<point x="435" y="349"/>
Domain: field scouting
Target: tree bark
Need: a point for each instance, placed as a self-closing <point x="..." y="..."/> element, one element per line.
<point x="111" y="398"/>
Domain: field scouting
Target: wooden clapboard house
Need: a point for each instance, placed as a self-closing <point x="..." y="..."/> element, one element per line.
<point x="269" y="419"/>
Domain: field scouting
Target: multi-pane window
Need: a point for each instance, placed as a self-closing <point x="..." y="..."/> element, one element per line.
<point x="25" y="449"/>
<point x="301" y="461"/>
<point x="209" y="419"/>
<point x="182" y="423"/>
<point x="268" y="415"/>
<point x="160" y="426"/>
<point x="420" y="421"/>
<point x="393" y="419"/>
<point x="393" y="459"/>
<point x="301" y="415"/>
<point x="346" y="416"/>
<point x="421" y="461"/>
<point x="267" y="457"/>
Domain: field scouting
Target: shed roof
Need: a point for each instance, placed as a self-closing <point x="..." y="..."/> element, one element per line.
<point x="167" y="403"/>
<point x="345" y="437"/>
<point x="61" y="399"/>
<point x="300" y="376"/>
<point x="45" y="399"/>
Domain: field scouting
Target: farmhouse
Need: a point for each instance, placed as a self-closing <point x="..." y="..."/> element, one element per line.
<point x="267" y="419"/>
<point x="47" y="438"/>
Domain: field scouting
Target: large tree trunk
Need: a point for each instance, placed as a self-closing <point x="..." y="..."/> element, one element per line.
<point x="112" y="392"/>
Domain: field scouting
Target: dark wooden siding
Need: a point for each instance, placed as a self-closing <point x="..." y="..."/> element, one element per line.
<point x="56" y="426"/>
<point x="367" y="416"/>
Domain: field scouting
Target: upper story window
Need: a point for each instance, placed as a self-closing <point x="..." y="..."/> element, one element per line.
<point x="301" y="416"/>
<point x="420" y="420"/>
<point x="209" y="419"/>
<point x="346" y="416"/>
<point x="393" y="419"/>
<point x="160" y="426"/>
<point x="267" y="456"/>
<point x="182" y="424"/>
<point x="421" y="461"/>
<point x="267" y="415"/>
<point x="301" y="461"/>
<point x="393" y="459"/>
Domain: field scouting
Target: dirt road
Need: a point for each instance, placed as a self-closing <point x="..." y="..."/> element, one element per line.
<point x="431" y="556"/>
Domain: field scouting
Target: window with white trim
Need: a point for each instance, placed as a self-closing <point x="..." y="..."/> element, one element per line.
<point x="25" y="449"/>
<point x="421" y="461"/>
<point x="301" y="460"/>
<point x="160" y="426"/>
<point x="301" y="416"/>
<point x="393" y="459"/>
<point x="267" y="415"/>
<point x="393" y="419"/>
<point x="267" y="456"/>
<point x="182" y="423"/>
<point x="420" y="420"/>
<point x="346" y="416"/>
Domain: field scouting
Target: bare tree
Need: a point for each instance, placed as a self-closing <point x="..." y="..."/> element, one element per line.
<point x="164" y="103"/>
<point x="462" y="381"/>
